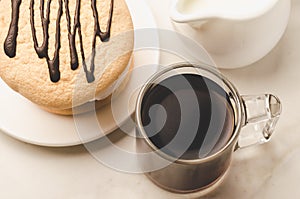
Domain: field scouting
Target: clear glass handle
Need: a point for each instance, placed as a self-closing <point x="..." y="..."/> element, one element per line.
<point x="261" y="115"/>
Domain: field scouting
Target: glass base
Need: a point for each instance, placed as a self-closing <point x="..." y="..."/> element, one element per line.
<point x="195" y="192"/>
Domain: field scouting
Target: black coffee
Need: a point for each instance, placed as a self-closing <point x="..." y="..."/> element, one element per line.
<point x="187" y="116"/>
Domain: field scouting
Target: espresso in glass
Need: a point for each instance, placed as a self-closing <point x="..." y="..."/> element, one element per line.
<point x="187" y="116"/>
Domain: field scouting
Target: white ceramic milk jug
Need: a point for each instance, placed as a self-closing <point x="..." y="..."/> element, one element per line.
<point x="235" y="33"/>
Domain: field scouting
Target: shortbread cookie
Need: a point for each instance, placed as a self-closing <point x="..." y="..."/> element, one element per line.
<point x="64" y="53"/>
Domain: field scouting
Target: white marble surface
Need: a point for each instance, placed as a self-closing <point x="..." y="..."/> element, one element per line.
<point x="266" y="171"/>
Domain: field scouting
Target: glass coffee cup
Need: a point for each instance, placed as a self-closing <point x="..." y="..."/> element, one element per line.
<point x="190" y="119"/>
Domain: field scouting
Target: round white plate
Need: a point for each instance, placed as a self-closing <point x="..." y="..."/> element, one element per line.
<point x="25" y="121"/>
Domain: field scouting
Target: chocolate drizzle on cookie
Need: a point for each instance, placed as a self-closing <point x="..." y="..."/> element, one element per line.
<point x="42" y="51"/>
<point x="10" y="43"/>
